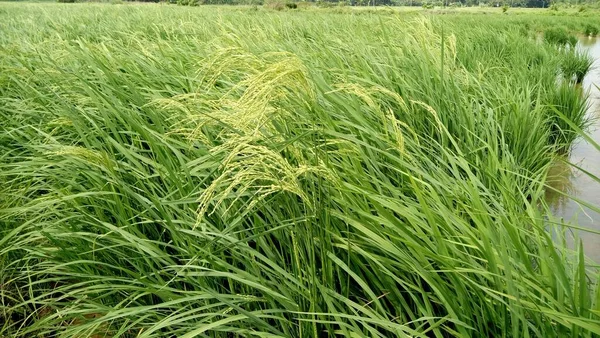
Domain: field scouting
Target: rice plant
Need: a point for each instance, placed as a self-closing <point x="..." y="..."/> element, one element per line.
<point x="590" y="30"/>
<point x="560" y="36"/>
<point x="575" y="65"/>
<point x="566" y="105"/>
<point x="169" y="171"/>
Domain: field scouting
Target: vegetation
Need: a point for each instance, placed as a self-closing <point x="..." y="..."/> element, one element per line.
<point x="217" y="172"/>
<point x="575" y="66"/>
<point x="579" y="7"/>
<point x="591" y="30"/>
<point x="275" y="5"/>
<point x="560" y="36"/>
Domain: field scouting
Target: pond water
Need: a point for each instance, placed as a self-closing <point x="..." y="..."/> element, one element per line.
<point x="574" y="182"/>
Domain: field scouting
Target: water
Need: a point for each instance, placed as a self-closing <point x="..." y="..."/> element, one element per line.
<point x="572" y="181"/>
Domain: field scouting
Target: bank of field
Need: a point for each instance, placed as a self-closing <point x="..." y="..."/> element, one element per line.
<point x="221" y="172"/>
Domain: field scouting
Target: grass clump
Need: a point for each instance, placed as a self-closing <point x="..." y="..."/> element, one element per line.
<point x="192" y="3"/>
<point x="276" y="5"/>
<point x="590" y="30"/>
<point x="320" y="177"/>
<point x="565" y="105"/>
<point x="575" y="65"/>
<point x="559" y="36"/>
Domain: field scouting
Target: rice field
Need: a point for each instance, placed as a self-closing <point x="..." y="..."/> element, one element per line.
<point x="170" y="171"/>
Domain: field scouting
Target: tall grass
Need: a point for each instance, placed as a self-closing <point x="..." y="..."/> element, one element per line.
<point x="575" y="65"/>
<point x="560" y="36"/>
<point x="177" y="172"/>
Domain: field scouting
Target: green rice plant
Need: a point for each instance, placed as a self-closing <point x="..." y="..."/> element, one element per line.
<point x="590" y="30"/>
<point x="276" y="174"/>
<point x="560" y="37"/>
<point x="275" y="5"/>
<point x="566" y="103"/>
<point x="575" y="65"/>
<point x="304" y="4"/>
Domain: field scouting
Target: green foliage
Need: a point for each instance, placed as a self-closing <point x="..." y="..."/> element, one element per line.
<point x="590" y="30"/>
<point x="324" y="4"/>
<point x="575" y="66"/>
<point x="565" y="101"/>
<point x="251" y="173"/>
<point x="559" y="36"/>
<point x="188" y="2"/>
<point x="505" y="8"/>
<point x="291" y="5"/>
<point x="277" y="5"/>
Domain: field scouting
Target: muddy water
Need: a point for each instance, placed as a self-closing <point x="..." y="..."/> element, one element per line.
<point x="574" y="182"/>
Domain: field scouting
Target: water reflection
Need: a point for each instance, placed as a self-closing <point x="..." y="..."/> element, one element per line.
<point x="588" y="41"/>
<point x="570" y="180"/>
<point x="560" y="177"/>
